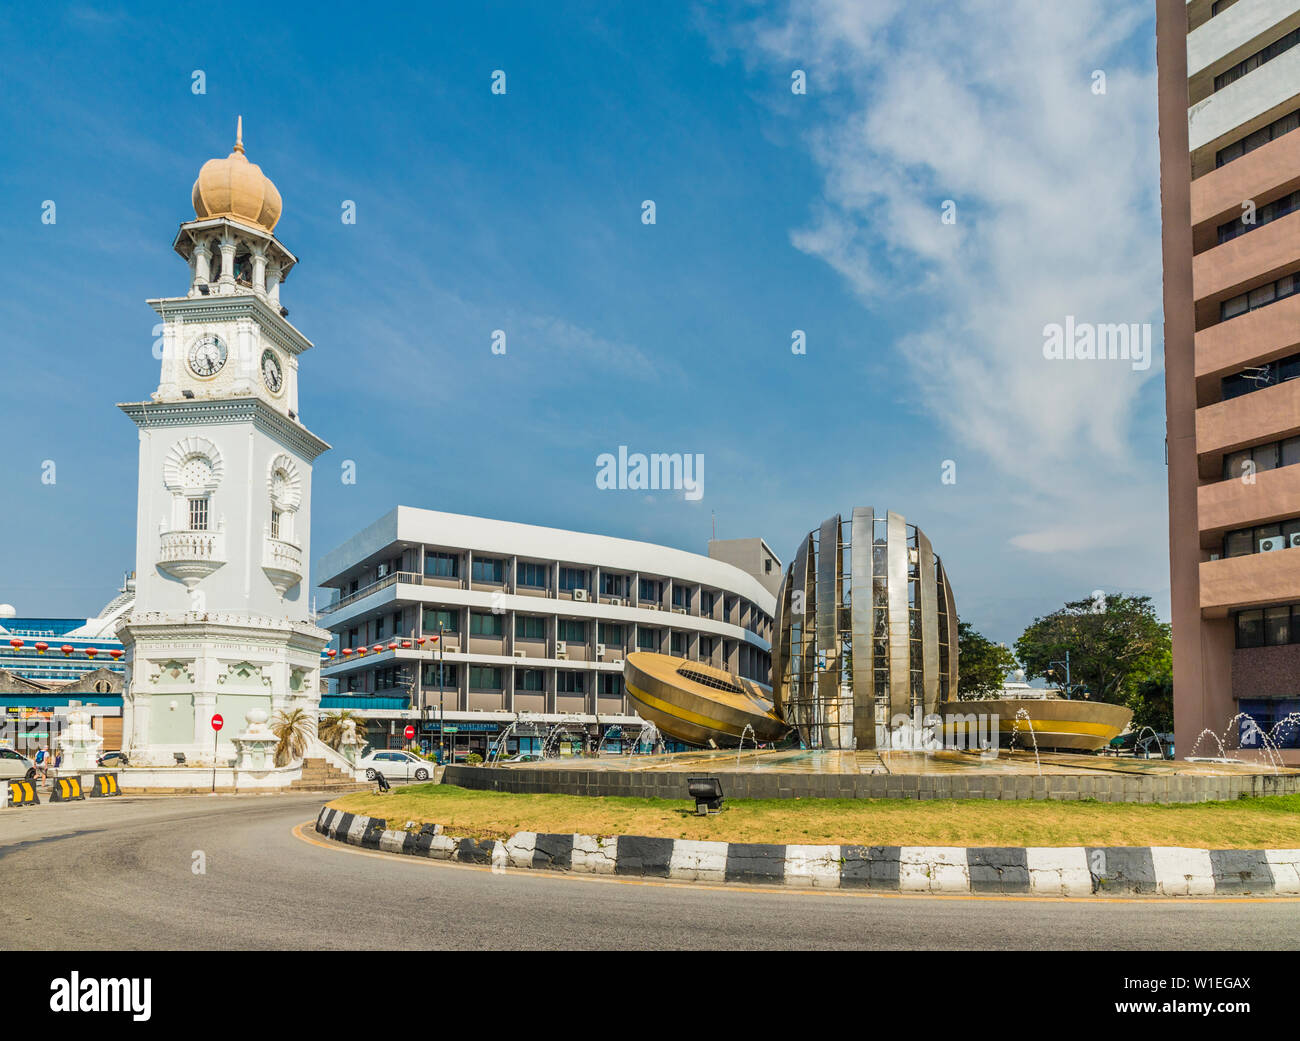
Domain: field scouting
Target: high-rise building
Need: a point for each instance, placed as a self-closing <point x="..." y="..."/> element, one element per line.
<point x="1229" y="99"/>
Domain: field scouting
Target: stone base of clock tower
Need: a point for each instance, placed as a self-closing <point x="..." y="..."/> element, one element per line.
<point x="184" y="668"/>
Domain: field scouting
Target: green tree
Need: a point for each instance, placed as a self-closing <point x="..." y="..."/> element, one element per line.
<point x="982" y="664"/>
<point x="1152" y="703"/>
<point x="1114" y="642"/>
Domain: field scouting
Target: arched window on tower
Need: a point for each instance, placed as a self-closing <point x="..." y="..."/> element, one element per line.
<point x="284" y="504"/>
<point x="196" y="478"/>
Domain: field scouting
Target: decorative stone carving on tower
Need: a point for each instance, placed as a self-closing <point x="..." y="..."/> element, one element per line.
<point x="224" y="512"/>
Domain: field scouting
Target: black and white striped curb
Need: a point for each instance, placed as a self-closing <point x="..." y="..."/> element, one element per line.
<point x="1036" y="871"/>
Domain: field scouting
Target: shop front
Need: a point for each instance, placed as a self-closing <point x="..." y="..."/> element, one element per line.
<point x="457" y="739"/>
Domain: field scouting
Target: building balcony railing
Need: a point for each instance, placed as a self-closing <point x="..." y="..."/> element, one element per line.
<point x="282" y="562"/>
<point x="365" y="591"/>
<point x="191" y="555"/>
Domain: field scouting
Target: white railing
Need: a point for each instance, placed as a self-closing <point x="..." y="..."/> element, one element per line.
<point x="183" y="546"/>
<point x="281" y="555"/>
<point x="388" y="580"/>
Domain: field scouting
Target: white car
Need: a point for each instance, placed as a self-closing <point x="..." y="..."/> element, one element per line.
<point x="15" y="764"/>
<point x="395" y="766"/>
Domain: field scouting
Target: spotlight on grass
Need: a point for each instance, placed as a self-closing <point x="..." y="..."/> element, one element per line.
<point x="707" y="793"/>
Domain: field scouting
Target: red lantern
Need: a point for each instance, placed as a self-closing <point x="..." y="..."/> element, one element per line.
<point x="91" y="652"/>
<point x="115" y="654"/>
<point x="347" y="652"/>
<point x="406" y="644"/>
<point x="360" y="651"/>
<point x="433" y="639"/>
<point x="67" y="649"/>
<point x="15" y="643"/>
<point x="42" y="646"/>
<point x="420" y="642"/>
<point x="330" y="653"/>
<point x="393" y="646"/>
<point x="378" y="648"/>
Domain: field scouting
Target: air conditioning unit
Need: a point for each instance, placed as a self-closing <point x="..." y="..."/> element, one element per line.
<point x="450" y="646"/>
<point x="1293" y="540"/>
<point x="561" y="649"/>
<point x="651" y="607"/>
<point x="614" y="601"/>
<point x="580" y="594"/>
<point x="521" y="654"/>
<point x="1269" y="545"/>
<point x="679" y="610"/>
<point x="600" y="650"/>
<point x="618" y="662"/>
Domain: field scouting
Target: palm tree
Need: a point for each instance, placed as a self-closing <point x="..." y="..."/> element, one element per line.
<point x="293" y="728"/>
<point x="332" y="727"/>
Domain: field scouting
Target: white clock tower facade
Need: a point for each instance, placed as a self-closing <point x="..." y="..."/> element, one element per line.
<point x="222" y="621"/>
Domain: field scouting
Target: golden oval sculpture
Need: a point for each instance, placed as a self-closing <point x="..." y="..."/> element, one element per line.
<point x="1064" y="723"/>
<point x="698" y="704"/>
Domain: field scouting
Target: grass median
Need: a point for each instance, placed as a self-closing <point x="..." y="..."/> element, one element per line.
<point x="1266" y="823"/>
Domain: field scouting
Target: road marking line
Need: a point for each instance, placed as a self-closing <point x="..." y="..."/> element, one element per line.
<point x="301" y="832"/>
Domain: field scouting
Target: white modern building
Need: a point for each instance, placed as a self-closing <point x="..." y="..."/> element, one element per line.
<point x="533" y="624"/>
<point x="221" y="623"/>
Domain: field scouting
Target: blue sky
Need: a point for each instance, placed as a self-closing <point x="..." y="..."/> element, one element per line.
<point x="522" y="212"/>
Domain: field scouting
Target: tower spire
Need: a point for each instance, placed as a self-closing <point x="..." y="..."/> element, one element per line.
<point x="239" y="134"/>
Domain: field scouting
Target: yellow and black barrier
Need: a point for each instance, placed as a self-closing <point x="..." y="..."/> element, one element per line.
<point x="104" y="785"/>
<point x="23" y="793"/>
<point x="66" y="789"/>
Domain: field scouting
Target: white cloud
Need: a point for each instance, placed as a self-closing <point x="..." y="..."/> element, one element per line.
<point x="989" y="103"/>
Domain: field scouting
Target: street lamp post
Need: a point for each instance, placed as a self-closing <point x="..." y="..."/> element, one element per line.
<point x="440" y="722"/>
<point x="1066" y="663"/>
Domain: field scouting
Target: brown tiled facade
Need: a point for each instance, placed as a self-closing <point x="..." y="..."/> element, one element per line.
<point x="1229" y="106"/>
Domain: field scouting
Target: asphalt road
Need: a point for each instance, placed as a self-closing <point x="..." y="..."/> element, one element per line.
<point x="118" y="875"/>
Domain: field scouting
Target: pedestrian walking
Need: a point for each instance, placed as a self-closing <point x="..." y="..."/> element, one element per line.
<point x="42" y="763"/>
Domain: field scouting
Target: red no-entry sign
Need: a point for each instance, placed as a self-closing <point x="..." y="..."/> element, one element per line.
<point x="409" y="731"/>
<point x="217" y="722"/>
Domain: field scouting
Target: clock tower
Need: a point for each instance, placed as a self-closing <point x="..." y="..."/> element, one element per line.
<point x="222" y="622"/>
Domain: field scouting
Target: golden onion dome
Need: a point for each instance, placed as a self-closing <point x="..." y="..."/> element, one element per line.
<point x="234" y="187"/>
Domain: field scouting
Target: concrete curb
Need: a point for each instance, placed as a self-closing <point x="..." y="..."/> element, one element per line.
<point x="1030" y="871"/>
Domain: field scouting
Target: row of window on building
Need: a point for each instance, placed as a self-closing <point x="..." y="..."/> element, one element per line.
<point x="528" y="627"/>
<point x="1258" y="138"/>
<point x="448" y="566"/>
<point x="1250" y="461"/>
<point x="1265" y="538"/>
<point x="1261" y="57"/>
<point x="1260" y="296"/>
<point x="447" y="676"/>
<point x="531" y="575"/>
<point x="1269" y="626"/>
<point x="1265" y="214"/>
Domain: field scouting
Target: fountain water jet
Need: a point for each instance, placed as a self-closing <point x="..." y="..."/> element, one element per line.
<point x="1015" y="730"/>
<point x="741" y="747"/>
<point x="1148" y="744"/>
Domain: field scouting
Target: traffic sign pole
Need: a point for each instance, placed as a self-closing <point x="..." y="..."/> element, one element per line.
<point x="217" y="724"/>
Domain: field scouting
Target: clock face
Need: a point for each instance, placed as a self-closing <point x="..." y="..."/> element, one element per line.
<point x="207" y="356"/>
<point x="271" y="373"/>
